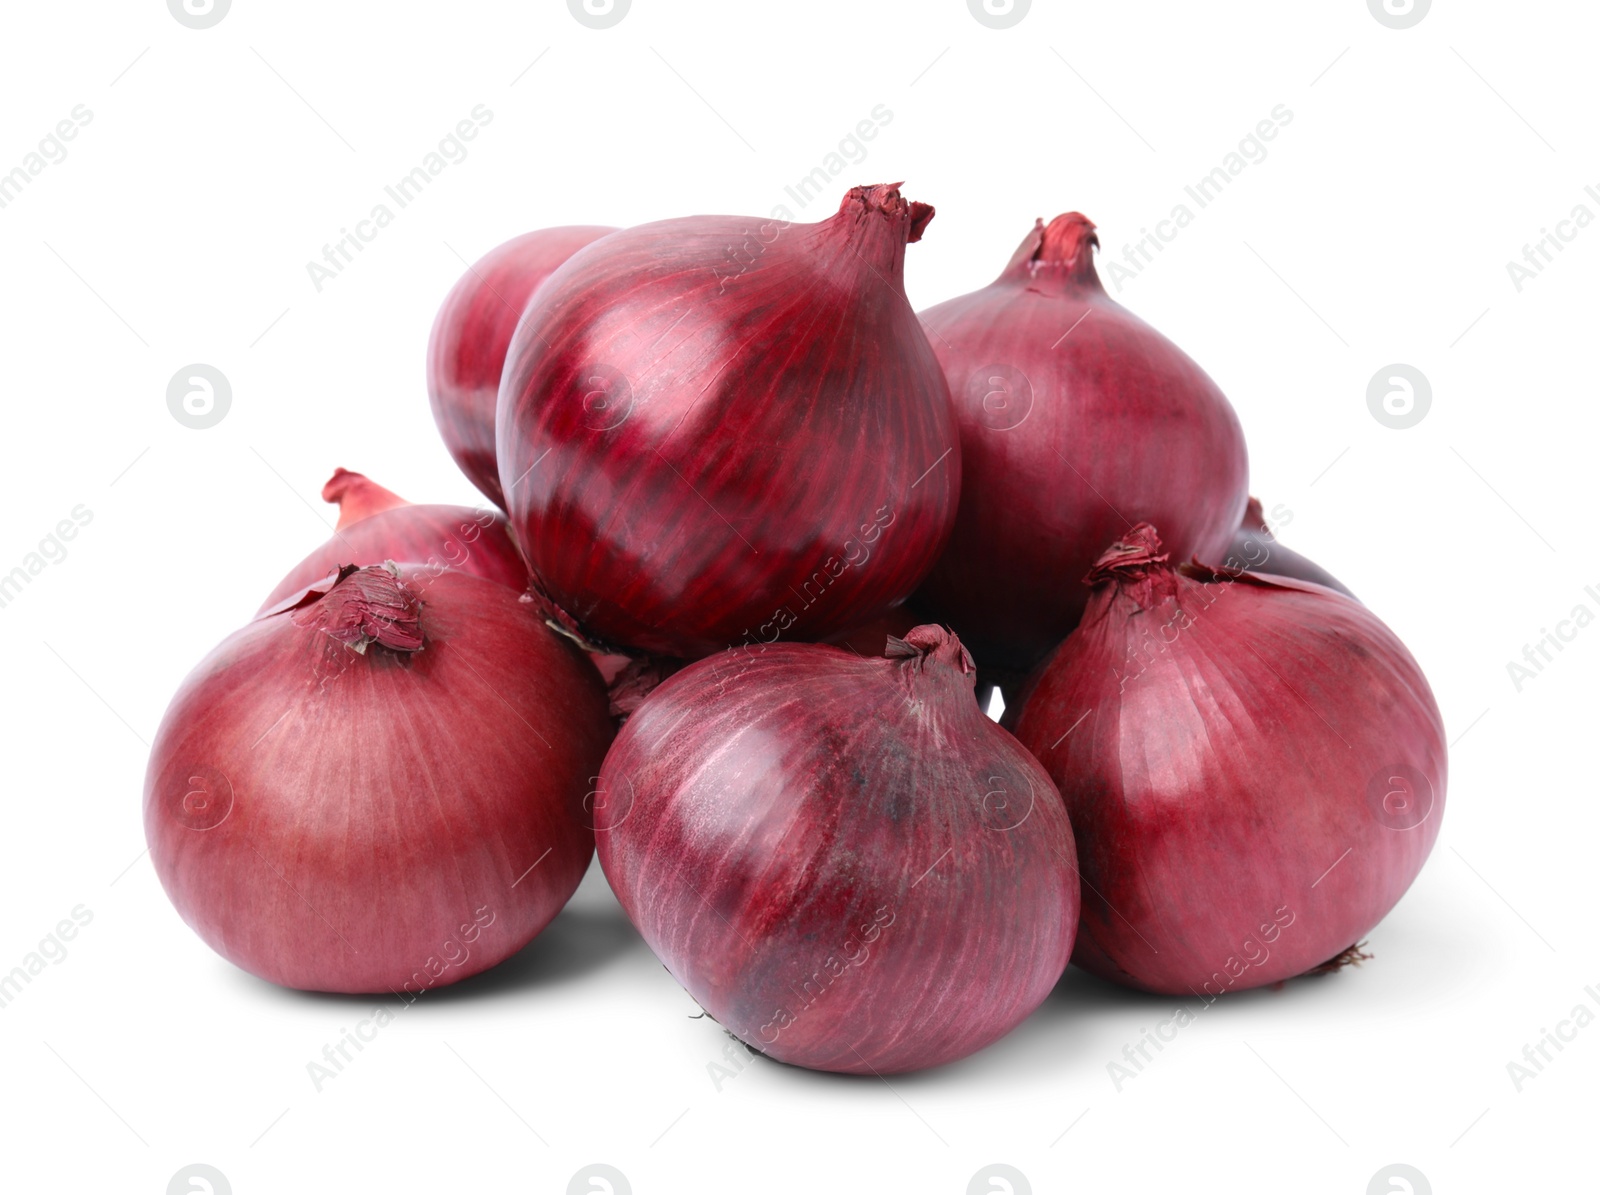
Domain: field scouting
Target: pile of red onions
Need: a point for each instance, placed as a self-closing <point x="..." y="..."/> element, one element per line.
<point x="380" y="785"/>
<point x="1254" y="766"/>
<point x="843" y="861"/>
<point x="716" y="431"/>
<point x="1078" y="420"/>
<point x="740" y="474"/>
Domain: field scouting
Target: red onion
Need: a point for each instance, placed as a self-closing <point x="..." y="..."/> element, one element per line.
<point x="1256" y="547"/>
<point x="376" y="525"/>
<point x="1255" y="767"/>
<point x="380" y="785"/>
<point x="715" y="431"/>
<point x="1078" y="420"/>
<point x="468" y="346"/>
<point x="841" y="859"/>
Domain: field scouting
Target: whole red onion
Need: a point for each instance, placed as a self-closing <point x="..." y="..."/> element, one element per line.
<point x="467" y="349"/>
<point x="1255" y="768"/>
<point x="1078" y="420"/>
<point x="376" y="525"/>
<point x="715" y="431"/>
<point x="1255" y="547"/>
<point x="841" y="859"/>
<point x="379" y="787"/>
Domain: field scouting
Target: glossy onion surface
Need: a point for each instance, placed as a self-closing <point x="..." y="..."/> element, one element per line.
<point x="1078" y="420"/>
<point x="376" y="525"/>
<point x="467" y="348"/>
<point x="1255" y="768"/>
<point x="715" y="431"/>
<point x="841" y="859"/>
<point x="348" y="795"/>
<point x="1255" y="547"/>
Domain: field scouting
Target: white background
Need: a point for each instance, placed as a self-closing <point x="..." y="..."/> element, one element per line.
<point x="1377" y="230"/>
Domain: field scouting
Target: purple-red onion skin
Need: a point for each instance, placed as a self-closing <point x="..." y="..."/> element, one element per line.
<point x="1255" y="768"/>
<point x="467" y="348"/>
<point x="843" y="861"/>
<point x="365" y="822"/>
<point x="1078" y="420"/>
<point x="716" y="430"/>
<point x="436" y="536"/>
<point x="1255" y="547"/>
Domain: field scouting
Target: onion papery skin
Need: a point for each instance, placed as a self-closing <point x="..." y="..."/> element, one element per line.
<point x="1256" y="548"/>
<point x="346" y="820"/>
<point x="1078" y="420"/>
<point x="467" y="348"/>
<point x="716" y="431"/>
<point x="841" y="859"/>
<point x="870" y="639"/>
<point x="1254" y="766"/>
<point x="375" y="525"/>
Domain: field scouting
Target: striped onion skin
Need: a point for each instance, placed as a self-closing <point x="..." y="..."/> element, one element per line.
<point x="378" y="794"/>
<point x="717" y="430"/>
<point x="1255" y="766"/>
<point x="467" y="347"/>
<point x="841" y="859"/>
